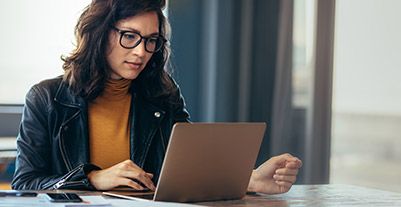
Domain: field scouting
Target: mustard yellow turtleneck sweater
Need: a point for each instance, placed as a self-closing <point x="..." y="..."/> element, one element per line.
<point x="108" y="117"/>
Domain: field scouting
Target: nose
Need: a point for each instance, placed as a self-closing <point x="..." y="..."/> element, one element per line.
<point x="139" y="50"/>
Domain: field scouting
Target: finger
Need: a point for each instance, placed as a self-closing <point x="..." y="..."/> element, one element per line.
<point x="300" y="163"/>
<point x="286" y="178"/>
<point x="285" y="155"/>
<point x="290" y="158"/>
<point x="134" y="172"/>
<point x="130" y="170"/>
<point x="284" y="186"/>
<point x="140" y="176"/>
<point x="287" y="171"/>
<point x="294" y="164"/>
<point x="150" y="175"/>
<point x="143" y="178"/>
<point x="129" y="183"/>
<point x="281" y="159"/>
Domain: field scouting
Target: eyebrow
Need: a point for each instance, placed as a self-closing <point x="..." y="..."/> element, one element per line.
<point x="137" y="31"/>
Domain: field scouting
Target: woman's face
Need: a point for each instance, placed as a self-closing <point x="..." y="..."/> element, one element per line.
<point x="129" y="63"/>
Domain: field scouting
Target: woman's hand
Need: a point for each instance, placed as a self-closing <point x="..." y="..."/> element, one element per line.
<point x="276" y="175"/>
<point x="125" y="173"/>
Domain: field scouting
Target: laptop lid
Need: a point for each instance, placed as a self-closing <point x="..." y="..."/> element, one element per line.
<point x="209" y="161"/>
<point x="204" y="162"/>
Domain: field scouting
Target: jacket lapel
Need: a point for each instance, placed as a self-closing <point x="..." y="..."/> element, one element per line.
<point x="73" y="133"/>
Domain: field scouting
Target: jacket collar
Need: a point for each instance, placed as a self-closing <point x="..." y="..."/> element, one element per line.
<point x="65" y="97"/>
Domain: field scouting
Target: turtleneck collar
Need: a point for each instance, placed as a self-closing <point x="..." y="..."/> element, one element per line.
<point x="116" y="89"/>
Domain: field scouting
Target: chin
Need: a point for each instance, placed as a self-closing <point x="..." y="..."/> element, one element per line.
<point x="131" y="76"/>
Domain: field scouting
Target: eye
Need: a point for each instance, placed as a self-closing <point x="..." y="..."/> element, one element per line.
<point x="153" y="40"/>
<point x="130" y="36"/>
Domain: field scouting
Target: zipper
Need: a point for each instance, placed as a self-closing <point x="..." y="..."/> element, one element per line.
<point x="63" y="151"/>
<point x="61" y="143"/>
<point x="44" y="187"/>
<point x="69" y="183"/>
<point x="63" y="179"/>
<point x="69" y="175"/>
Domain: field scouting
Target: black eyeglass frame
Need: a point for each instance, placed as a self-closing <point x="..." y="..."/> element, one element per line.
<point x="146" y="39"/>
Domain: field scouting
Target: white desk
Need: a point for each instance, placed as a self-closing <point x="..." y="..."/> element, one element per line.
<point x="299" y="195"/>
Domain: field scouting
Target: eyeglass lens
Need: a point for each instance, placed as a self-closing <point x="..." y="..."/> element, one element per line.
<point x="132" y="39"/>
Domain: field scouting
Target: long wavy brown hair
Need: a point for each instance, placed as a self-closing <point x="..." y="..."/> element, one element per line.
<point x="86" y="68"/>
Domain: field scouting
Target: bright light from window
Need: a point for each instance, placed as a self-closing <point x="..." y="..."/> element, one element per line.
<point x="34" y="34"/>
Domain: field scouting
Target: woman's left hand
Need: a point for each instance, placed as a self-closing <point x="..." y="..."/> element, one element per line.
<point x="276" y="175"/>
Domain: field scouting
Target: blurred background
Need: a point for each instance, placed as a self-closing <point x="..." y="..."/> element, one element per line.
<point x="324" y="75"/>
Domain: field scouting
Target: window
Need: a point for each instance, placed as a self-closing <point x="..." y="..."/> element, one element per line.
<point x="34" y="36"/>
<point x="366" y="139"/>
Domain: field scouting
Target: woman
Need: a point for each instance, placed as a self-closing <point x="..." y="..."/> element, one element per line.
<point x="106" y="122"/>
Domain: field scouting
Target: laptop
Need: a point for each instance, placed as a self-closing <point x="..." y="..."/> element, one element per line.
<point x="205" y="162"/>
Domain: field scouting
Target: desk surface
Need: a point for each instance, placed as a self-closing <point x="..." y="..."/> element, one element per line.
<point x="306" y="195"/>
<point x="320" y="195"/>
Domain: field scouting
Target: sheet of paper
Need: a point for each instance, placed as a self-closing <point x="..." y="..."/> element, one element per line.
<point x="89" y="201"/>
<point x="42" y="201"/>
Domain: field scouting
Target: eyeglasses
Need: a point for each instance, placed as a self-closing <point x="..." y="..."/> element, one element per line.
<point x="131" y="39"/>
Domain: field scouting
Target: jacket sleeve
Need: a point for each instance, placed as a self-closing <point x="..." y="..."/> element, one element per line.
<point x="34" y="160"/>
<point x="179" y="108"/>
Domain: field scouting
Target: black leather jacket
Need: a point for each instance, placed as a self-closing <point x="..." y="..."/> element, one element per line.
<point x="53" y="146"/>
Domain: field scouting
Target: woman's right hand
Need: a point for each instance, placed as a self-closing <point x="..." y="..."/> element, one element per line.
<point x="125" y="173"/>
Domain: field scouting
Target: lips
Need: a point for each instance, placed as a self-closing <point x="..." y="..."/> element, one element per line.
<point x="134" y="65"/>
